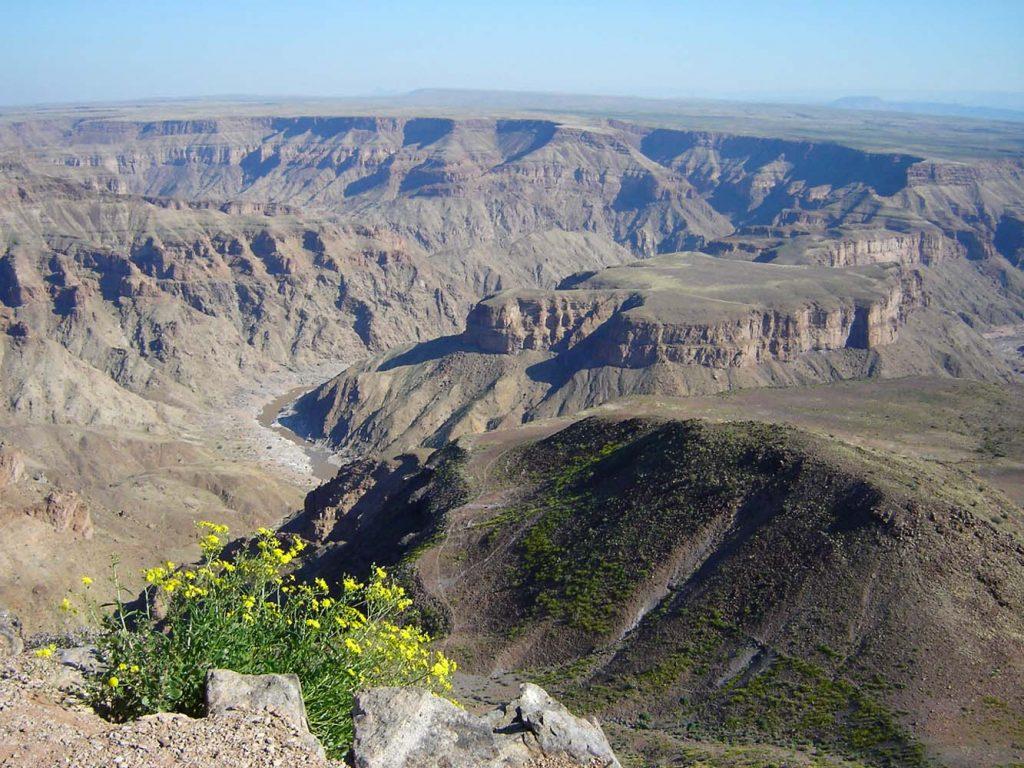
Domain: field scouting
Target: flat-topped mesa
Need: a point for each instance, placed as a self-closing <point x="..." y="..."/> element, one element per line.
<point x="675" y="325"/>
<point x="762" y="336"/>
<point x="665" y="310"/>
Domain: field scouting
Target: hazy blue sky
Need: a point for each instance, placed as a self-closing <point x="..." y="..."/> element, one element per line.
<point x="60" y="50"/>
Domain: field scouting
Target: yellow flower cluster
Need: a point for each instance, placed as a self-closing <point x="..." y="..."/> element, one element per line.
<point x="443" y="669"/>
<point x="339" y="637"/>
<point x="211" y="542"/>
<point x="46" y="651"/>
<point x="381" y="590"/>
<point x="273" y="553"/>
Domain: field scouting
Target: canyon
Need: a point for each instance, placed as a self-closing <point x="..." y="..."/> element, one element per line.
<point x="163" y="278"/>
<point x="630" y="403"/>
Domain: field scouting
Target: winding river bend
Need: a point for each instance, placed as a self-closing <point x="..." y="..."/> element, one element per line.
<point x="323" y="463"/>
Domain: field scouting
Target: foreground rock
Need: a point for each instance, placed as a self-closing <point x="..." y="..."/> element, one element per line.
<point x="228" y="692"/>
<point x="81" y="658"/>
<point x="412" y="728"/>
<point x="549" y="727"/>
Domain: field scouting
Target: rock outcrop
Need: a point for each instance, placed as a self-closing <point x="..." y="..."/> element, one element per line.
<point x="412" y="728"/>
<point x="280" y="695"/>
<point x="551" y="729"/>
<point x="12" y="465"/>
<point x="334" y="510"/>
<point x="11" y="641"/>
<point x="65" y="511"/>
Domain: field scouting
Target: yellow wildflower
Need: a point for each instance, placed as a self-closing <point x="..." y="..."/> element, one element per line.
<point x="206" y="525"/>
<point x="113" y="682"/>
<point x="443" y="667"/>
<point x="46" y="651"/>
<point x="86" y="580"/>
<point x="313" y="623"/>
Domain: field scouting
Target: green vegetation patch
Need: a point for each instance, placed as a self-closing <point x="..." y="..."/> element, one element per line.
<point x="794" y="699"/>
<point x="607" y="517"/>
<point x="782" y="700"/>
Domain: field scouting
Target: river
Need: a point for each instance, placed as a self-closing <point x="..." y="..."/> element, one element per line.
<point x="324" y="465"/>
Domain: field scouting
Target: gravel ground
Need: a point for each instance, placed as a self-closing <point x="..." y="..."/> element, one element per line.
<point x="41" y="726"/>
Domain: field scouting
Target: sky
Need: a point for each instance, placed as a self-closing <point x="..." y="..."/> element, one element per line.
<point x="107" y="50"/>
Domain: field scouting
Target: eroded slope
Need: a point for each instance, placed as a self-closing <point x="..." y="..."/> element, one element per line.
<point x="735" y="580"/>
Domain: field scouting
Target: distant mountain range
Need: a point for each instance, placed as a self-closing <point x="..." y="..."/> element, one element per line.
<point x="876" y="104"/>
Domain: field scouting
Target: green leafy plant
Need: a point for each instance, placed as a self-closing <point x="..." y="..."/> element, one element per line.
<point x="249" y="615"/>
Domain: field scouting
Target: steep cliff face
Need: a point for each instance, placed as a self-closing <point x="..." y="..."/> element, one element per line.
<point x="1009" y="238"/>
<point x="513" y="322"/>
<point x="651" y="190"/>
<point x="860" y="248"/>
<point x="156" y="296"/>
